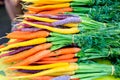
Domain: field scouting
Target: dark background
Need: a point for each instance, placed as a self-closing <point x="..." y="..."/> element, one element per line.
<point x="5" y="24"/>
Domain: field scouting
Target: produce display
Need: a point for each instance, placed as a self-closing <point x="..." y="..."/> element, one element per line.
<point x="63" y="40"/>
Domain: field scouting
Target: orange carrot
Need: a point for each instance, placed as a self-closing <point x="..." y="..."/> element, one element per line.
<point x="62" y="57"/>
<point x="48" y="7"/>
<point x="43" y="78"/>
<point x="64" y="51"/>
<point x="38" y="34"/>
<point x="5" y="44"/>
<point x="28" y="53"/>
<point x="57" y="11"/>
<point x="49" y="62"/>
<point x="33" y="58"/>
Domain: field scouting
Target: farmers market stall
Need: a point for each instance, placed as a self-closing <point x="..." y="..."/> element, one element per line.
<point x="63" y="40"/>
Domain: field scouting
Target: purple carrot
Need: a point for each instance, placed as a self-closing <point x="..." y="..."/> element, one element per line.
<point x="50" y="16"/>
<point x="30" y="29"/>
<point x="28" y="71"/>
<point x="67" y="20"/>
<point x="65" y="77"/>
<point x="16" y="51"/>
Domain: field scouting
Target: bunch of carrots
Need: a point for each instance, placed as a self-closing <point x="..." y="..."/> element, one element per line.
<point x="29" y="46"/>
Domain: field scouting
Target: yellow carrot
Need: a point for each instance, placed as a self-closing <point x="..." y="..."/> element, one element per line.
<point x="71" y="67"/>
<point x="41" y="67"/>
<point x="58" y="30"/>
<point x="50" y="20"/>
<point x="62" y="73"/>
<point x="25" y="43"/>
<point x="45" y="2"/>
<point x="47" y="7"/>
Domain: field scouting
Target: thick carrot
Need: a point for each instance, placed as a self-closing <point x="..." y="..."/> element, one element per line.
<point x="49" y="62"/>
<point x="62" y="57"/>
<point x="64" y="51"/>
<point x="57" y="11"/>
<point x="33" y="58"/>
<point x="25" y="43"/>
<point x="38" y="34"/>
<point x="71" y="67"/>
<point x="48" y="7"/>
<point x="28" y="53"/>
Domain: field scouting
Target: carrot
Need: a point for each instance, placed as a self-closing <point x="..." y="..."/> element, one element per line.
<point x="49" y="62"/>
<point x="40" y="67"/>
<point x="33" y="58"/>
<point x="62" y="57"/>
<point x="48" y="7"/>
<point x="8" y="43"/>
<point x="46" y="20"/>
<point x="57" y="11"/>
<point x="25" y="43"/>
<point x="71" y="67"/>
<point x="64" y="51"/>
<point x="28" y="53"/>
<point x="43" y="78"/>
<point x="38" y="34"/>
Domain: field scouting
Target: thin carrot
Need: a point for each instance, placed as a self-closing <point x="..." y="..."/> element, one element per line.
<point x="8" y="43"/>
<point x="28" y="53"/>
<point x="49" y="62"/>
<point x="57" y="11"/>
<point x="48" y="7"/>
<point x="62" y="57"/>
<point x="25" y="43"/>
<point x="43" y="78"/>
<point x="64" y="51"/>
<point x="38" y="34"/>
<point x="33" y="58"/>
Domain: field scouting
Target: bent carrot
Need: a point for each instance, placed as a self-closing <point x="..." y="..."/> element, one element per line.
<point x="33" y="58"/>
<point x="38" y="34"/>
<point x="28" y="53"/>
<point x="47" y="7"/>
<point x="25" y="43"/>
<point x="62" y="57"/>
<point x="64" y="51"/>
<point x="49" y="62"/>
<point x="57" y="11"/>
